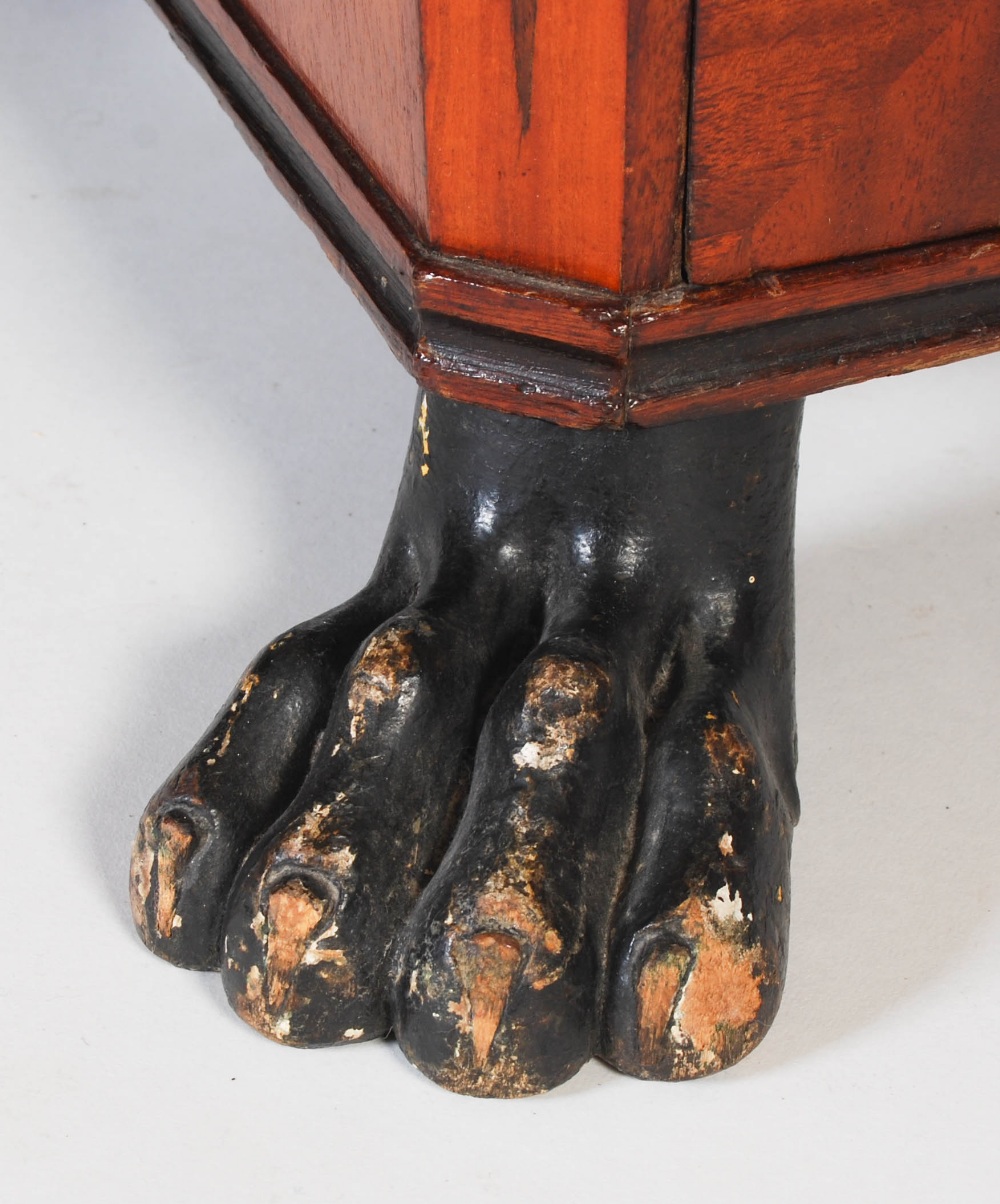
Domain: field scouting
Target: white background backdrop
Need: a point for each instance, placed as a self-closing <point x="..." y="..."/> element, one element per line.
<point x="201" y="436"/>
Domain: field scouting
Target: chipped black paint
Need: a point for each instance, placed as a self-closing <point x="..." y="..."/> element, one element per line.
<point x="568" y="683"/>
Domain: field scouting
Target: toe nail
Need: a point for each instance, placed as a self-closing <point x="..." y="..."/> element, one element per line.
<point x="486" y="965"/>
<point x="171" y="836"/>
<point x="293" y="914"/>
<point x="174" y="844"/>
<point x="141" y="878"/>
<point x="657" y="992"/>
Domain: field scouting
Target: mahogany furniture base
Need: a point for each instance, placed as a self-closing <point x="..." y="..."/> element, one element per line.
<point x="528" y="798"/>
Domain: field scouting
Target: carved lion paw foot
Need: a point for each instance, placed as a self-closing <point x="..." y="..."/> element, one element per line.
<point x="529" y="797"/>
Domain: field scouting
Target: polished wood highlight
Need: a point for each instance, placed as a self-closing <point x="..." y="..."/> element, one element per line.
<point x="525" y="133"/>
<point x="839" y="127"/>
<point x="555" y="135"/>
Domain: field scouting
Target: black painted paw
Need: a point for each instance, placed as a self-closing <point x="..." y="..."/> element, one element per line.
<point x="700" y="941"/>
<point x="529" y="796"/>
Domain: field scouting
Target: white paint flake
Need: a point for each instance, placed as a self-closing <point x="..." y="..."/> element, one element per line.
<point x="726" y="907"/>
<point x="538" y="756"/>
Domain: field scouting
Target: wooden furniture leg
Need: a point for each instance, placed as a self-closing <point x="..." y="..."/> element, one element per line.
<point x="529" y="796"/>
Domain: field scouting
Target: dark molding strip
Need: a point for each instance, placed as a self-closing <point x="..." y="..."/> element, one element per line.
<point x="836" y="338"/>
<point x="330" y="216"/>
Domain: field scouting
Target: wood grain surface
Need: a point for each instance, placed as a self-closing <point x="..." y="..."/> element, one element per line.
<point x="656" y="119"/>
<point x="362" y="63"/>
<point x="839" y="127"/>
<point x="556" y="133"/>
<point x="525" y="111"/>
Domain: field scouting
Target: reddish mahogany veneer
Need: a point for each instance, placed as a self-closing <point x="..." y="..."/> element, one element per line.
<point x="840" y="128"/>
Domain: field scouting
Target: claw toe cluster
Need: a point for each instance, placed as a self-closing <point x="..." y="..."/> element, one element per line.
<point x="507" y="801"/>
